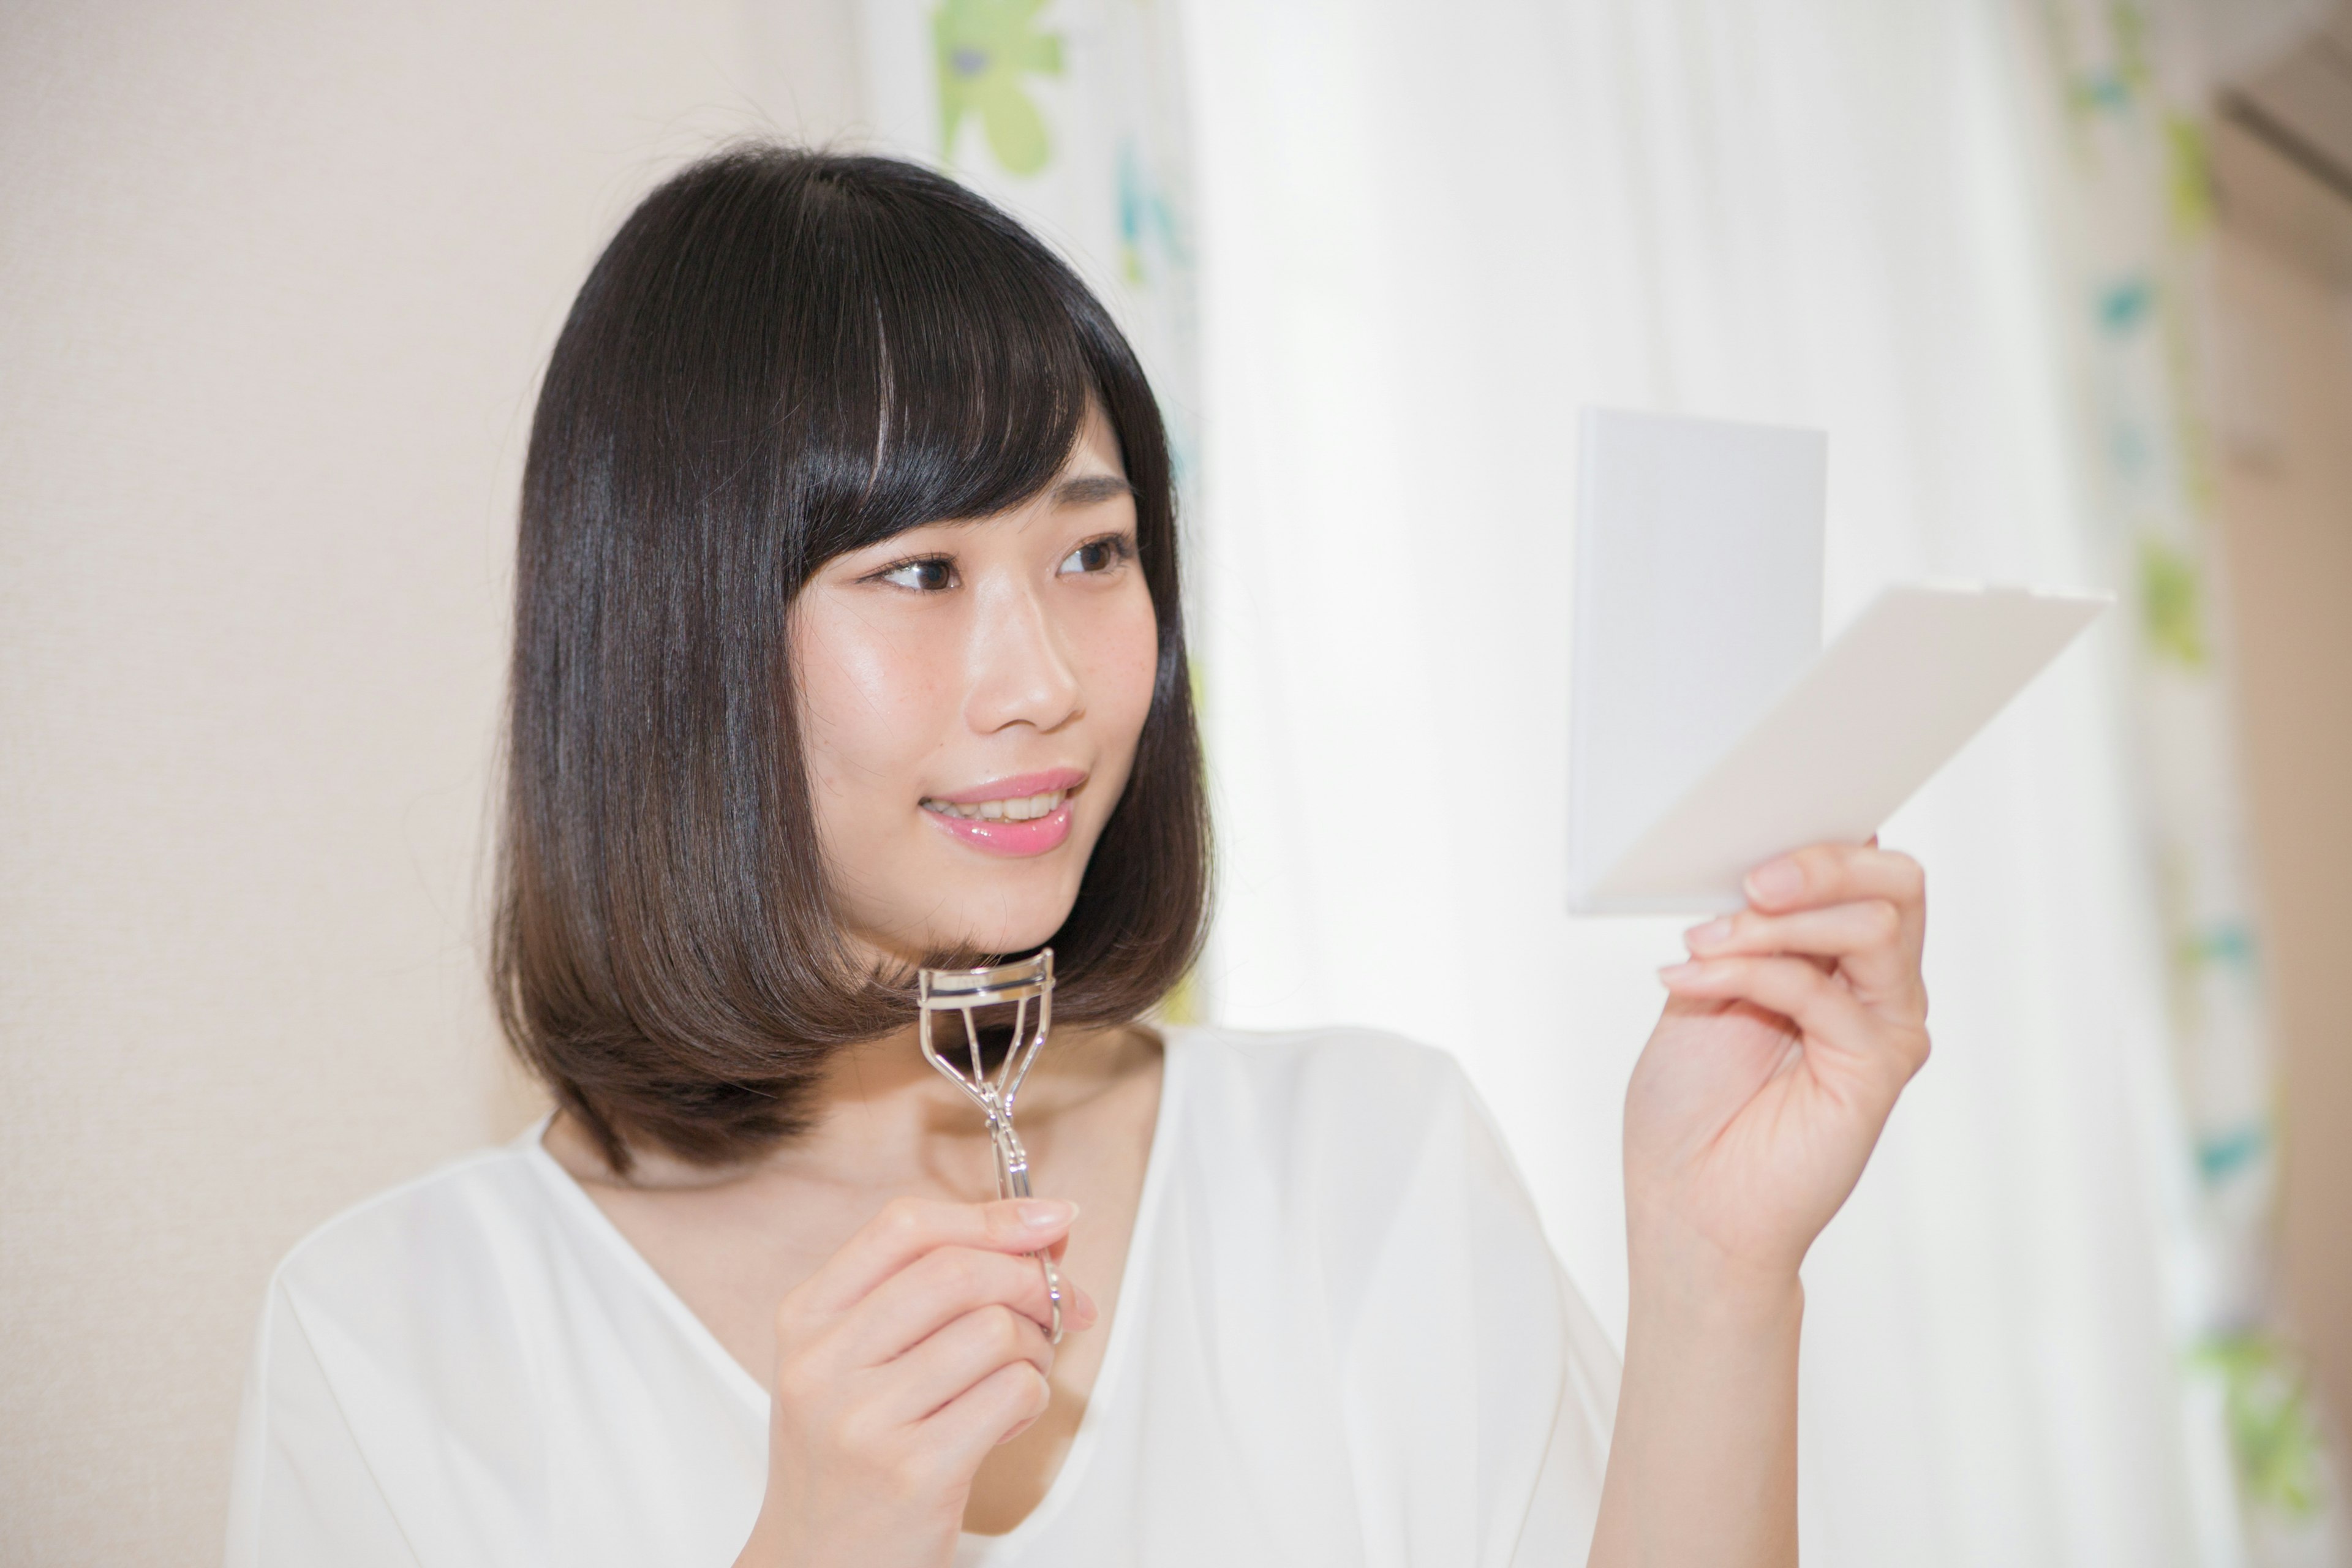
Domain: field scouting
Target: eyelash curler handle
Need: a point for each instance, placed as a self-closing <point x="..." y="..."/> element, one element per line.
<point x="960" y="991"/>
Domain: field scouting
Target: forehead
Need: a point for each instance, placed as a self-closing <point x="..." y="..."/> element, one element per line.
<point x="1095" y="449"/>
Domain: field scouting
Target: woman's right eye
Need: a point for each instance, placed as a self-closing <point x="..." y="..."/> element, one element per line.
<point x="930" y="574"/>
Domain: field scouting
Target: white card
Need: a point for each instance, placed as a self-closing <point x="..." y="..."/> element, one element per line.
<point x="1698" y="600"/>
<point x="1886" y="704"/>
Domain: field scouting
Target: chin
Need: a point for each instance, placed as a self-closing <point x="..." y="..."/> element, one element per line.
<point x="984" y="915"/>
<point x="1020" y="934"/>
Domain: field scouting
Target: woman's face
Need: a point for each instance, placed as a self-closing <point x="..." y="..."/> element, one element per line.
<point x="971" y="692"/>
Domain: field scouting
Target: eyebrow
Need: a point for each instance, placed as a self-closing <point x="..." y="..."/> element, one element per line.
<point x="1088" y="489"/>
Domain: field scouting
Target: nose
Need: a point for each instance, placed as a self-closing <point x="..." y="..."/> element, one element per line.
<point x="1021" y="671"/>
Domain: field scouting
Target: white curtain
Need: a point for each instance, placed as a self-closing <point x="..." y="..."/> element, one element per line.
<point x="1427" y="235"/>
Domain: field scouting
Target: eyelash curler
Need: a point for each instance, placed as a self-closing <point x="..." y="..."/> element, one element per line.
<point x="960" y="991"/>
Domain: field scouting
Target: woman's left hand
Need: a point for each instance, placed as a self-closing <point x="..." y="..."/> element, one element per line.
<point x="1788" y="1035"/>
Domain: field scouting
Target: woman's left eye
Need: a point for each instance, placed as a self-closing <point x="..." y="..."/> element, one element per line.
<point x="1097" y="555"/>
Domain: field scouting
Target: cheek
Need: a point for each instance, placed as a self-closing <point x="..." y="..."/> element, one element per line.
<point x="870" y="707"/>
<point x="1128" y="665"/>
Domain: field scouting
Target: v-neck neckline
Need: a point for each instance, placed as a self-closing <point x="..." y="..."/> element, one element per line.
<point x="1134" y="1276"/>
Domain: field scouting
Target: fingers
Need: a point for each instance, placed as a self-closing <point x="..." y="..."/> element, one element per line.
<point x="1838" y="931"/>
<point x="1868" y="940"/>
<point x="960" y="1357"/>
<point x="1792" y="987"/>
<point x="945" y="1285"/>
<point x="1825" y="875"/>
<point x="919" y="1426"/>
<point x="1838" y="873"/>
<point x="907" y="1228"/>
<point x="996" y="1408"/>
<point x="919" y="1345"/>
<point x="1829" y="1014"/>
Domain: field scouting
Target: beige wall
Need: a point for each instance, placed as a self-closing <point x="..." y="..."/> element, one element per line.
<point x="2286" y="497"/>
<point x="275" y="280"/>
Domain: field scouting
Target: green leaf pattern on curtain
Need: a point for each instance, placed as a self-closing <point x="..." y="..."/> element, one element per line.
<point x="2139" y="197"/>
<point x="983" y="51"/>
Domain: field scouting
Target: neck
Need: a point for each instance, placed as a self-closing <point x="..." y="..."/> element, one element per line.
<point x="882" y="1117"/>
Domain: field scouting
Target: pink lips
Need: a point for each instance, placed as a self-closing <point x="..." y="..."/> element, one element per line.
<point x="1013" y="839"/>
<point x="1033" y="837"/>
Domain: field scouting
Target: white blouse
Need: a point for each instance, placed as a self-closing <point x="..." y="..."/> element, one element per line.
<point x="1340" y="1338"/>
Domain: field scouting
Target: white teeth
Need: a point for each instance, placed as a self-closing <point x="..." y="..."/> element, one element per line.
<point x="1017" y="808"/>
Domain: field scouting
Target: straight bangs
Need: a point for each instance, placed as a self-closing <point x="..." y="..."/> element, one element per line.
<point x="957" y="377"/>
<point x="782" y="356"/>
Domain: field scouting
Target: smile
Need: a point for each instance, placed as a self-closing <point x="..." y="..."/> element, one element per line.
<point x="1018" y="809"/>
<point x="1027" y="814"/>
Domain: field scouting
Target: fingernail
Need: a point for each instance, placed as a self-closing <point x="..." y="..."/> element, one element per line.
<point x="1674" y="972"/>
<point x="1714" y="933"/>
<point x="1045" y="1213"/>
<point x="1775" y="883"/>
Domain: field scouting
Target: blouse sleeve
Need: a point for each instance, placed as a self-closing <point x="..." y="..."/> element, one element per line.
<point x="302" y="1492"/>
<point x="1565" y="1503"/>
<point x="1480" y="1389"/>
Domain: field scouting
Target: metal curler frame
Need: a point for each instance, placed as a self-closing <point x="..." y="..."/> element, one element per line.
<point x="960" y="991"/>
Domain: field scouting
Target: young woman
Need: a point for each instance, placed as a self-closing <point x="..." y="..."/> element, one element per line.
<point x="849" y="641"/>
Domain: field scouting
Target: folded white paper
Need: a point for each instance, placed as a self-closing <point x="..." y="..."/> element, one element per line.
<point x="1885" y="706"/>
<point x="1710" y="731"/>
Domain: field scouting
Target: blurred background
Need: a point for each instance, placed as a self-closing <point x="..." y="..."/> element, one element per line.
<point x="2068" y="282"/>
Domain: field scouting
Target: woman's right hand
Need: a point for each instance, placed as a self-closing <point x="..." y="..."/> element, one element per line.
<point x="905" y="1358"/>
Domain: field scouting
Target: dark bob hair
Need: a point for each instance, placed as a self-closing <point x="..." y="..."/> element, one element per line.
<point x="781" y="356"/>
